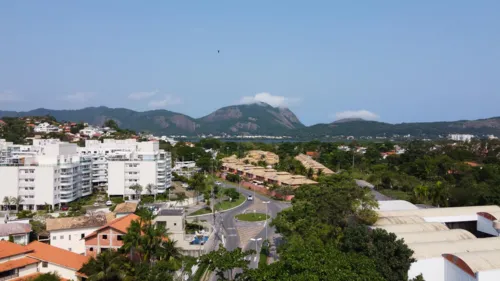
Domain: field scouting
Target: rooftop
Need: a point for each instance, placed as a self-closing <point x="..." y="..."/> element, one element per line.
<point x="437" y="249"/>
<point x="396" y="205"/>
<point x="171" y="212"/>
<point x="7" y="229"/>
<point x="474" y="262"/>
<point x="414" y="227"/>
<point x="51" y="254"/>
<point x="86" y="221"/>
<point x="9" y="249"/>
<point x="120" y="224"/>
<point x="398" y="220"/>
<point x="13" y="264"/>
<point x="126" y="207"/>
<point x="436" y="236"/>
<point x="441" y="212"/>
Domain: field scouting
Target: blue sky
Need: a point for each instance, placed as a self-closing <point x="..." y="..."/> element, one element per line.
<point x="390" y="60"/>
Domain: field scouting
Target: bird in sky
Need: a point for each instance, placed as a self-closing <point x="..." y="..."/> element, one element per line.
<point x="218" y="51"/>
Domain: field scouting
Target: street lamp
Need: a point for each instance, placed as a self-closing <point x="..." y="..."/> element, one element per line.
<point x="266" y="202"/>
<point x="256" y="240"/>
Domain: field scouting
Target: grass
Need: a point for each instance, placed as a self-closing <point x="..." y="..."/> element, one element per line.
<point x="262" y="260"/>
<point x="224" y="205"/>
<point x="200" y="272"/>
<point x="203" y="211"/>
<point x="252" y="217"/>
<point x="396" y="194"/>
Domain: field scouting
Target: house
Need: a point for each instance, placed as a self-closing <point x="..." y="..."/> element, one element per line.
<point x="2" y="123"/>
<point x="26" y="262"/>
<point x="19" y="232"/>
<point x="69" y="233"/>
<point x="124" y="209"/>
<point x="108" y="236"/>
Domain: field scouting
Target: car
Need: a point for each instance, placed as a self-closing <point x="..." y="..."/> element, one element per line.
<point x="64" y="208"/>
<point x="250" y="198"/>
<point x="96" y="204"/>
<point x="109" y="203"/>
<point x="218" y="183"/>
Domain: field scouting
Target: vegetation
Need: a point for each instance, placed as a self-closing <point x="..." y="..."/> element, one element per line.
<point x="252" y="217"/>
<point x="202" y="211"/>
<point x="51" y="276"/>
<point x="228" y="204"/>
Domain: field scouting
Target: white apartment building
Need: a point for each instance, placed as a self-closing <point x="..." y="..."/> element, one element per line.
<point x="461" y="137"/>
<point x="46" y="128"/>
<point x="47" y="172"/>
<point x="120" y="164"/>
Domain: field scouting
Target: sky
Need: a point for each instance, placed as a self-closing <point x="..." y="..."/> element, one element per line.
<point x="388" y="60"/>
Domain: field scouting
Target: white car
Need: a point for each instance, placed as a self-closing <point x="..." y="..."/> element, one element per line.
<point x="96" y="204"/>
<point x="250" y="198"/>
<point x="109" y="203"/>
<point x="218" y="183"/>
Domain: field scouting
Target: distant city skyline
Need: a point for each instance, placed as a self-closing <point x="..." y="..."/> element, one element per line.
<point x="388" y="61"/>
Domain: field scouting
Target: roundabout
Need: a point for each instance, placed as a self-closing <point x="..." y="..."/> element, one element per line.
<point x="252" y="217"/>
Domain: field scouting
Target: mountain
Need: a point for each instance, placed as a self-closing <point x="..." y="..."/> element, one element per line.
<point x="258" y="119"/>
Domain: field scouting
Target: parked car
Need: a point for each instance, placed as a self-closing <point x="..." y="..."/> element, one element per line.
<point x="96" y="204"/>
<point x="64" y="208"/>
<point x="218" y="183"/>
<point x="109" y="203"/>
<point x="250" y="198"/>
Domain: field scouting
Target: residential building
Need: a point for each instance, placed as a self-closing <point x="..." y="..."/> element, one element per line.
<point x="20" y="232"/>
<point x="46" y="128"/>
<point x="254" y="156"/>
<point x="461" y="137"/>
<point x="109" y="236"/>
<point x="37" y="258"/>
<point x="316" y="167"/>
<point x="119" y="164"/>
<point x="47" y="172"/>
<point x="69" y="233"/>
<point x="124" y="209"/>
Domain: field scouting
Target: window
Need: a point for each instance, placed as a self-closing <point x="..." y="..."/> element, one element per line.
<point x="61" y="237"/>
<point x="91" y="249"/>
<point x="175" y="223"/>
<point x="69" y="238"/>
<point x="104" y="236"/>
<point x="54" y="237"/>
<point x="69" y="249"/>
<point x="45" y="264"/>
<point x="120" y="238"/>
<point x="82" y="236"/>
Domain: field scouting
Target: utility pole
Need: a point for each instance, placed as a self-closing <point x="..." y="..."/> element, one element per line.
<point x="266" y="202"/>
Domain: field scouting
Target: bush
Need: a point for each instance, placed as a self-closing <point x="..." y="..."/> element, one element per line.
<point x="232" y="193"/>
<point x="147" y="199"/>
<point x="24" y="214"/>
<point x="117" y="200"/>
<point x="233" y="178"/>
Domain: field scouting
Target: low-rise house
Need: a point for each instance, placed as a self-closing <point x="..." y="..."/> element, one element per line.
<point x="108" y="236"/>
<point x="20" y="232"/>
<point x="309" y="163"/>
<point x="124" y="209"/>
<point x="26" y="262"/>
<point x="69" y="233"/>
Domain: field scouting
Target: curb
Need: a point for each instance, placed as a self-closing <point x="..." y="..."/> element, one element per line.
<point x="223" y="211"/>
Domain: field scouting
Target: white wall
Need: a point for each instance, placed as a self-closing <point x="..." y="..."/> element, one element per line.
<point x="147" y="174"/>
<point x="116" y="177"/>
<point x="9" y="179"/>
<point x="71" y="240"/>
<point x="62" y="271"/>
<point x="21" y="239"/>
<point x="44" y="185"/>
<point x="486" y="226"/>
<point x="432" y="269"/>
<point x="490" y="275"/>
<point x="29" y="269"/>
<point x="454" y="273"/>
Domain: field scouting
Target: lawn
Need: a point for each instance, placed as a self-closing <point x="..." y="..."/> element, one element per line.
<point x="252" y="217"/>
<point x="203" y="211"/>
<point x="396" y="194"/>
<point x="262" y="260"/>
<point x="226" y="204"/>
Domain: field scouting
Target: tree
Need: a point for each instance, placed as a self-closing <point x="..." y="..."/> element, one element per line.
<point x="151" y="189"/>
<point x="51" y="276"/>
<point x="111" y="124"/>
<point x="224" y="262"/>
<point x="108" y="266"/>
<point x="16" y="201"/>
<point x="310" y="173"/>
<point x="391" y="255"/>
<point x="137" y="188"/>
<point x="6" y="202"/>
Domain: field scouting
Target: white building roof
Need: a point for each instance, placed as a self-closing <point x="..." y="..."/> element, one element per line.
<point x="437" y="249"/>
<point x="414" y="227"/>
<point x="441" y="212"/>
<point x="436" y="236"/>
<point x="398" y="220"/>
<point x="477" y="261"/>
<point x="396" y="205"/>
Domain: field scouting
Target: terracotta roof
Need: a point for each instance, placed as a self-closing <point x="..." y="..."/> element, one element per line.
<point x="32" y="276"/>
<point x="9" y="249"/>
<point x="126" y="207"/>
<point x="51" y="254"/>
<point x="120" y="224"/>
<point x="7" y="229"/>
<point x="97" y="220"/>
<point x="472" y="164"/>
<point x="12" y="264"/>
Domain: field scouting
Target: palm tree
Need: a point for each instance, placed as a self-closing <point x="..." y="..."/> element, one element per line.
<point x="137" y="188"/>
<point x="151" y="189"/>
<point x="16" y="201"/>
<point x="108" y="266"/>
<point x="421" y="192"/>
<point x="6" y="202"/>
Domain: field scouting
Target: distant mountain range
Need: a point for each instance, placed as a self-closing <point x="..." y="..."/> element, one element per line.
<point x="256" y="119"/>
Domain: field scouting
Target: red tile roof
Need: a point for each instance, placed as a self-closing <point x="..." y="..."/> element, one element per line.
<point x="9" y="249"/>
<point x="51" y="254"/>
<point x="17" y="263"/>
<point x="32" y="276"/>
<point x="120" y="224"/>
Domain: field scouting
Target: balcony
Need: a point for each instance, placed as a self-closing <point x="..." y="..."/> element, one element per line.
<point x="26" y="175"/>
<point x="27" y="184"/>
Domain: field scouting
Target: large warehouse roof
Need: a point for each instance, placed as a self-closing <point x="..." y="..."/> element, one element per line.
<point x="396" y="205"/>
<point x="414" y="227"/>
<point x="398" y="220"/>
<point x="473" y="262"/>
<point x="437" y="249"/>
<point x="441" y="212"/>
<point x="436" y="236"/>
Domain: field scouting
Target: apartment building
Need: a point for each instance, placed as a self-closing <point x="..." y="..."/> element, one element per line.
<point x="120" y="164"/>
<point x="47" y="172"/>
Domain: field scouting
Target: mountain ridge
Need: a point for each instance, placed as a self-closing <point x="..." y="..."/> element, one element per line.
<point x="257" y="119"/>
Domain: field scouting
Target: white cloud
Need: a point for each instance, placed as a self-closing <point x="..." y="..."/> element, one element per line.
<point x="79" y="96"/>
<point x="166" y="101"/>
<point x="9" y="96"/>
<point x="276" y="101"/>
<point x="363" y="114"/>
<point x="142" y="95"/>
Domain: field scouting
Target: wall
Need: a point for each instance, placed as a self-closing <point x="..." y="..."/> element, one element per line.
<point x="44" y="186"/>
<point x="490" y="275"/>
<point x="432" y="269"/>
<point x="29" y="269"/>
<point x="454" y="273"/>
<point x="97" y="242"/>
<point x="116" y="177"/>
<point x="147" y="174"/>
<point x="62" y="271"/>
<point x="10" y="180"/>
<point x="75" y="244"/>
<point x="486" y="226"/>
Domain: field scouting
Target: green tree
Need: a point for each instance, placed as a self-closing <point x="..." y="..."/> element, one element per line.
<point x="108" y="266"/>
<point x="16" y="201"/>
<point x="151" y="189"/>
<point x="111" y="124"/>
<point x="50" y="276"/>
<point x="225" y="262"/>
<point x="137" y="188"/>
<point x="6" y="202"/>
